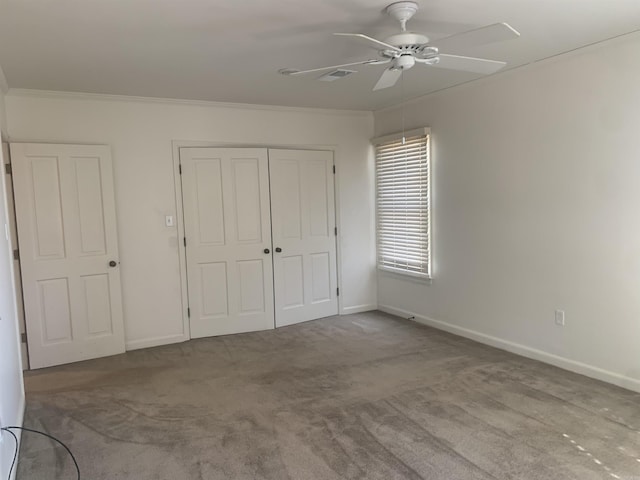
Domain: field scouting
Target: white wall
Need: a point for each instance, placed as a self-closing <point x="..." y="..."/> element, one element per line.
<point x="11" y="387"/>
<point x="536" y="183"/>
<point x="140" y="133"/>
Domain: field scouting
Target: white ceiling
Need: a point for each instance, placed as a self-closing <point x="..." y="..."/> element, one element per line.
<point x="230" y="50"/>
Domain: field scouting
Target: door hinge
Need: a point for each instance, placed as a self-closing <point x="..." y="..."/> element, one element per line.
<point x="334" y="169"/>
<point x="335" y="231"/>
<point x="188" y="312"/>
<point x="180" y="168"/>
<point x="7" y="168"/>
<point x="338" y="291"/>
<point x="16" y="254"/>
<point x="23" y="337"/>
<point x="184" y="240"/>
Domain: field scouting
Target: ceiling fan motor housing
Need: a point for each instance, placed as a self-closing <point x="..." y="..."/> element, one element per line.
<point x="407" y="39"/>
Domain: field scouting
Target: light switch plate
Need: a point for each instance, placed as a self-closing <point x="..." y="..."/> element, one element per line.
<point x="168" y="220"/>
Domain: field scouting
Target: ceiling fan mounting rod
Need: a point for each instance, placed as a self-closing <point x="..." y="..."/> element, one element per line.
<point x="402" y="11"/>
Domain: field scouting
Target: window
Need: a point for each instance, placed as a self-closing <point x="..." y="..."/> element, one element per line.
<point x="403" y="203"/>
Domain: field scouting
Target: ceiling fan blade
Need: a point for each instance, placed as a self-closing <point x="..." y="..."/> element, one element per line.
<point x="388" y="78"/>
<point x="468" y="64"/>
<point x="369" y="39"/>
<point x="498" y="32"/>
<point x="289" y="71"/>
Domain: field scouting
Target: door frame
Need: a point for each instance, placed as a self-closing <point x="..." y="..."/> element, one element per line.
<point x="182" y="250"/>
<point x="17" y="267"/>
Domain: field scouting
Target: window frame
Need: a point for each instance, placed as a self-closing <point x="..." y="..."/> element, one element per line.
<point x="427" y="275"/>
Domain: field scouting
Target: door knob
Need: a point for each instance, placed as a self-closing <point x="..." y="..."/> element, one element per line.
<point x="278" y="249"/>
<point x="113" y="263"/>
<point x="266" y="250"/>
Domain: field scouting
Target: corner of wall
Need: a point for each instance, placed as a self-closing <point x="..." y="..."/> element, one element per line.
<point x="12" y="400"/>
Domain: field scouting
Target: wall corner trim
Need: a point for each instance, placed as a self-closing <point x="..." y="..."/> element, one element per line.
<point x="522" y="350"/>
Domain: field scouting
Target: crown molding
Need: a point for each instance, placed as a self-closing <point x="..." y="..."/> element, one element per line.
<point x="53" y="94"/>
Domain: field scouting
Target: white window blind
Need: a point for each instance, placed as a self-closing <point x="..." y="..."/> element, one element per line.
<point x="403" y="204"/>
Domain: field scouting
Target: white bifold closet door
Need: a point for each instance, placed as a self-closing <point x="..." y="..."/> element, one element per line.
<point x="238" y="261"/>
<point x="228" y="239"/>
<point x="67" y="236"/>
<point x="304" y="241"/>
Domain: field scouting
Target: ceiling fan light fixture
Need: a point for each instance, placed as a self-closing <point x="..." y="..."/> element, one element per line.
<point x="404" y="62"/>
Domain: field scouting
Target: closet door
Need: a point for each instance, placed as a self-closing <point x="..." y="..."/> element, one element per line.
<point x="303" y="216"/>
<point x="228" y="240"/>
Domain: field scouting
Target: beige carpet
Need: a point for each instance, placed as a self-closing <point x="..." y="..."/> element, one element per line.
<point x="367" y="396"/>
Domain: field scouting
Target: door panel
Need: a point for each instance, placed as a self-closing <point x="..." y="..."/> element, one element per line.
<point x="227" y="226"/>
<point x="66" y="222"/>
<point x="293" y="281"/>
<point x="55" y="313"/>
<point x="320" y="277"/>
<point x="209" y="204"/>
<point x="288" y="193"/>
<point x="317" y="204"/>
<point x="247" y="200"/>
<point x="97" y="303"/>
<point x="45" y="190"/>
<point x="91" y="221"/>
<point x="213" y="278"/>
<point x="303" y="216"/>
<point x="250" y="275"/>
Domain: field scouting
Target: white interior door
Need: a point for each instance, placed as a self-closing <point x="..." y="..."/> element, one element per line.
<point x="303" y="216"/>
<point x="228" y="239"/>
<point x="67" y="236"/>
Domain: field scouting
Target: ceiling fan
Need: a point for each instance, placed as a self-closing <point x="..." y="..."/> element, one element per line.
<point x="403" y="50"/>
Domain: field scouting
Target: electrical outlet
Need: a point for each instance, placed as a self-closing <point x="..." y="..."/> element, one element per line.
<point x="560" y="318"/>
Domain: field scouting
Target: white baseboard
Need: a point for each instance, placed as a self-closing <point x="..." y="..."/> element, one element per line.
<point x="519" y="349"/>
<point x="155" y="342"/>
<point x="359" y="309"/>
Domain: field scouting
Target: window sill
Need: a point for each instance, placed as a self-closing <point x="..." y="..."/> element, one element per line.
<point x="407" y="276"/>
